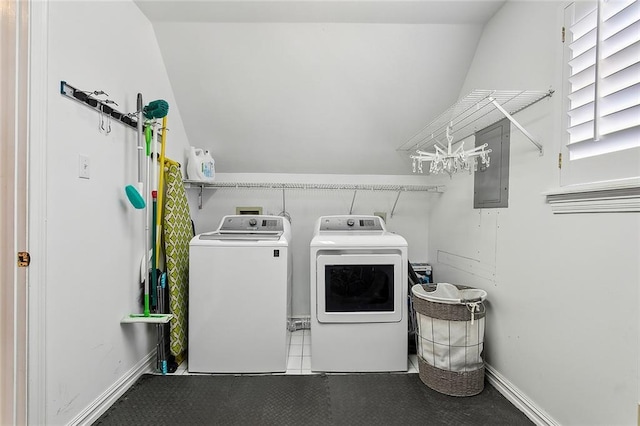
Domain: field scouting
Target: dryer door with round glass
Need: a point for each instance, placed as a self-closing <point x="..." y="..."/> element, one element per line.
<point x="359" y="288"/>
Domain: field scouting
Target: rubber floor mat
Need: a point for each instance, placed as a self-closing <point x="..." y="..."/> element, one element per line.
<point x="350" y="399"/>
<point x="402" y="399"/>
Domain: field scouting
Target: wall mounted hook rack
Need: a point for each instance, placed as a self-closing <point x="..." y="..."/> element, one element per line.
<point x="101" y="106"/>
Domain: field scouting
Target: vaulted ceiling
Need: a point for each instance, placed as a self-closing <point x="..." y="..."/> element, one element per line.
<point x="306" y="86"/>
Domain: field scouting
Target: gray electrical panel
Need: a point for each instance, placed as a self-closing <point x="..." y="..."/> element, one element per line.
<point x="491" y="184"/>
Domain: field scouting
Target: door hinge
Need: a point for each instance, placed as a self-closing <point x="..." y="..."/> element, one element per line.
<point x="563" y="34"/>
<point x="24" y="259"/>
<point x="559" y="160"/>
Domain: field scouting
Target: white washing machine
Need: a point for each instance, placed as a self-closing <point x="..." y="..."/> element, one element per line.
<point x="358" y="296"/>
<point x="240" y="296"/>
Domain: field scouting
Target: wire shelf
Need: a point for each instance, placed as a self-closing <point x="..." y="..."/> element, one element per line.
<point x="283" y="185"/>
<point x="472" y="113"/>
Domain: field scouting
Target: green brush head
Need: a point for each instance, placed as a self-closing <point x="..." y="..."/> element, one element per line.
<point x="134" y="197"/>
<point x="156" y="109"/>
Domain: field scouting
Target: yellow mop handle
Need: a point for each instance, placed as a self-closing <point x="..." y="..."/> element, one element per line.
<point x="159" y="211"/>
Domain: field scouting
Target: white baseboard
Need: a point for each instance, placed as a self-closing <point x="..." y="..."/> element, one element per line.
<point x="517" y="398"/>
<point x="108" y="397"/>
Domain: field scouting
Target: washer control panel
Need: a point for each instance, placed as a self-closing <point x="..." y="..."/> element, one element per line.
<point x="251" y="223"/>
<point x="351" y="223"/>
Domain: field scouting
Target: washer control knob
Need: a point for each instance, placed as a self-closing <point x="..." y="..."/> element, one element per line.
<point x="253" y="222"/>
<point x="351" y="222"/>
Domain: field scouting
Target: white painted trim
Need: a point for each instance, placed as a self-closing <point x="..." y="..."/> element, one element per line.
<point x="596" y="186"/>
<point x="517" y="398"/>
<point x="597" y="206"/>
<point x="621" y="196"/>
<point x="115" y="391"/>
<point x="37" y="211"/>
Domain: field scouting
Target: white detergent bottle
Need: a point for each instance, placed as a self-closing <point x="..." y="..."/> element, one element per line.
<point x="210" y="170"/>
<point x="200" y="165"/>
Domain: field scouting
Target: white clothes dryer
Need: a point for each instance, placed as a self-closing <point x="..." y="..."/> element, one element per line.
<point x="240" y="296"/>
<point x="358" y="296"/>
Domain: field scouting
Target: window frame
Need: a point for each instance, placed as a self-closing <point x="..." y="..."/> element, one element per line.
<point x="610" y="166"/>
<point x="606" y="182"/>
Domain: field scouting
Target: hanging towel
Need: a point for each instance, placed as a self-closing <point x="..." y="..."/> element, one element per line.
<point x="177" y="232"/>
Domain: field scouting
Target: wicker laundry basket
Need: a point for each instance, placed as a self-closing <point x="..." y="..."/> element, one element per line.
<point x="450" y="340"/>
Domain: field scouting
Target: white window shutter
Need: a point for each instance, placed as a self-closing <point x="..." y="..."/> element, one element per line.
<point x="583" y="36"/>
<point x="604" y="75"/>
<point x="620" y="90"/>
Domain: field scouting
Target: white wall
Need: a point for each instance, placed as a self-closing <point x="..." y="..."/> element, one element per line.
<point x="562" y="322"/>
<point x="333" y="98"/>
<point x="306" y="206"/>
<point x="94" y="239"/>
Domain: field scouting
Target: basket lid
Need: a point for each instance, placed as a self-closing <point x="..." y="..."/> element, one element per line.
<point x="449" y="293"/>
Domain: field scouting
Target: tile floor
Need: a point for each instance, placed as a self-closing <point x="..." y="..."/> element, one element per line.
<point x="299" y="362"/>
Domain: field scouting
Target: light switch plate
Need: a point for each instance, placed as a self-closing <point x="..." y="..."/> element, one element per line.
<point x="83" y="167"/>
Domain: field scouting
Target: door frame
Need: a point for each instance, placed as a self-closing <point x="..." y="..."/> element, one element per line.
<point x="39" y="88"/>
<point x="14" y="119"/>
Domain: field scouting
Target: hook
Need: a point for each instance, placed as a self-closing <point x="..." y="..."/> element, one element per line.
<point x="108" y="123"/>
<point x="128" y="119"/>
<point x="95" y="92"/>
<point x="105" y="110"/>
<point x="102" y="118"/>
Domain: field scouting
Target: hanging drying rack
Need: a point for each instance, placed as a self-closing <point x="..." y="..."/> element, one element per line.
<point x="311" y="186"/>
<point x="99" y="105"/>
<point x="474" y="112"/>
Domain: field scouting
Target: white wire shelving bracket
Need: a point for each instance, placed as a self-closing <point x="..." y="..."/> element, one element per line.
<point x="474" y="112"/>
<point x="313" y="186"/>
